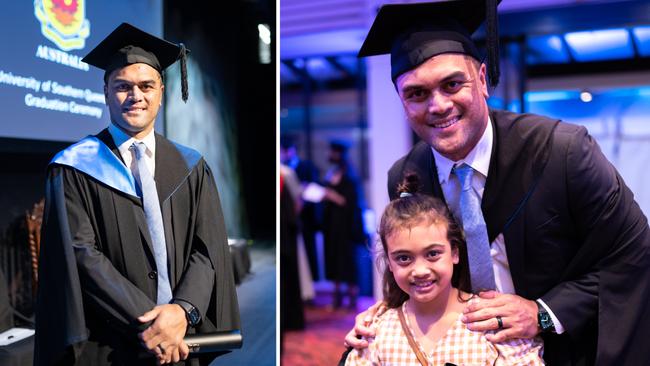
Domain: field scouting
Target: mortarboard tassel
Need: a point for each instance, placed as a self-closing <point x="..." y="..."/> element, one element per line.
<point x="183" y="57"/>
<point x="492" y="42"/>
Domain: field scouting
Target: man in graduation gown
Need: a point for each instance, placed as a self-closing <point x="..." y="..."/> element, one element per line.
<point x="105" y="295"/>
<point x="569" y="246"/>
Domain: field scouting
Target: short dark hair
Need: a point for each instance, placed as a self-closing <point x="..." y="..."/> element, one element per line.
<point x="412" y="209"/>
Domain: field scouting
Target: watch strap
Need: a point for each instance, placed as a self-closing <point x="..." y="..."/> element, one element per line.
<point x="191" y="312"/>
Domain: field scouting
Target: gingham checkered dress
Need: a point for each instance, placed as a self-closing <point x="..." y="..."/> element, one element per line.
<point x="460" y="346"/>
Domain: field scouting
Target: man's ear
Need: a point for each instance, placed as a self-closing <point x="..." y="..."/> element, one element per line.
<point x="483" y="80"/>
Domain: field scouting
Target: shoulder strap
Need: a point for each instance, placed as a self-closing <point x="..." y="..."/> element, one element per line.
<point x="409" y="336"/>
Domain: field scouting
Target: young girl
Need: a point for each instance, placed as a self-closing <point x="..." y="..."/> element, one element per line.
<point x="425" y="285"/>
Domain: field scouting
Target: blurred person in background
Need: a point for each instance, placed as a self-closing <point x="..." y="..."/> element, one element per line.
<point x="310" y="215"/>
<point x="291" y="309"/>
<point x="342" y="224"/>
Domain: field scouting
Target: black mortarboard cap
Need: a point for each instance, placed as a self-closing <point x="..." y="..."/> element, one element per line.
<point x="341" y="145"/>
<point x="413" y="33"/>
<point x="128" y="45"/>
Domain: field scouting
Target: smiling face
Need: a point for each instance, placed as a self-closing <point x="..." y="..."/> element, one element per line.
<point x="134" y="95"/>
<point x="422" y="260"/>
<point x="444" y="101"/>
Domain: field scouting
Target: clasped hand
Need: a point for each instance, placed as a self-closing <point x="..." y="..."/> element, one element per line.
<point x="164" y="337"/>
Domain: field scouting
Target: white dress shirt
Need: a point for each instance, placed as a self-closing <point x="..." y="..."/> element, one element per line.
<point x="479" y="159"/>
<point x="124" y="142"/>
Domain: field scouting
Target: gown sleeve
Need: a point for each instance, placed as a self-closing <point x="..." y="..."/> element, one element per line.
<point x="613" y="259"/>
<point x="210" y="264"/>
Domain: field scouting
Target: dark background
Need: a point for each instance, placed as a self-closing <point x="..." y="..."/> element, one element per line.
<point x="230" y="44"/>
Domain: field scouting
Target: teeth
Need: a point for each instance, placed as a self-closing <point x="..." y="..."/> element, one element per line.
<point x="423" y="284"/>
<point x="447" y="123"/>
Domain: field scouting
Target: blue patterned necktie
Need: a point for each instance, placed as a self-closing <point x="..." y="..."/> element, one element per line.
<point x="154" y="222"/>
<point x="478" y="245"/>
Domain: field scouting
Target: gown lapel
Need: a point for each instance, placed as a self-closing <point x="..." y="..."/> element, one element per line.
<point x="139" y="217"/>
<point x="519" y="156"/>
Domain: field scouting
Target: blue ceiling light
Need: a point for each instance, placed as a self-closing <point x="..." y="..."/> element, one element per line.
<point x="644" y="92"/>
<point x="642" y="35"/>
<point x="350" y="62"/>
<point x="287" y="75"/>
<point x="316" y="64"/>
<point x="299" y="63"/>
<point x="320" y="69"/>
<point x="550" y="96"/>
<point x="600" y="45"/>
<point x="546" y="50"/>
<point x="555" y="43"/>
<point x="635" y="92"/>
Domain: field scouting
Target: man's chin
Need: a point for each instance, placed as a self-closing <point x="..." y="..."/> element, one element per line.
<point x="452" y="153"/>
<point x="135" y="123"/>
<point x="132" y="128"/>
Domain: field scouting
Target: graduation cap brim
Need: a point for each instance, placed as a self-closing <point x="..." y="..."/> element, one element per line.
<point x="412" y="33"/>
<point x="158" y="53"/>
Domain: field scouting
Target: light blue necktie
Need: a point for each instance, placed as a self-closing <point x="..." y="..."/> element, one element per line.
<point x="154" y="222"/>
<point x="478" y="245"/>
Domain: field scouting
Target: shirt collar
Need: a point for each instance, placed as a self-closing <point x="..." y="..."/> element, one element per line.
<point x="124" y="141"/>
<point x="478" y="158"/>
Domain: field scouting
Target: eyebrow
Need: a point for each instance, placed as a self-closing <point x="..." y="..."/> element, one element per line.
<point x="143" y="82"/>
<point x="429" y="247"/>
<point x="453" y="75"/>
<point x="456" y="75"/>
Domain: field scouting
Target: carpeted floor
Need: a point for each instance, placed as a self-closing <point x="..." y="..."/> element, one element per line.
<point x="321" y="343"/>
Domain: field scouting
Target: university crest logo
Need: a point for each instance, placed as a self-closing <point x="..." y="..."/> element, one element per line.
<point x="63" y="22"/>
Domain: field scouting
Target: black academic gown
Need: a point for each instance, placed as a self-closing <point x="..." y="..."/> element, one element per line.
<point x="310" y="215"/>
<point x="574" y="235"/>
<point x="343" y="230"/>
<point x="97" y="272"/>
<point x="292" y="315"/>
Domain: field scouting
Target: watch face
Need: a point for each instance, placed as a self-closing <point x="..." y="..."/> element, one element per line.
<point x="545" y="321"/>
<point x="194" y="316"/>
